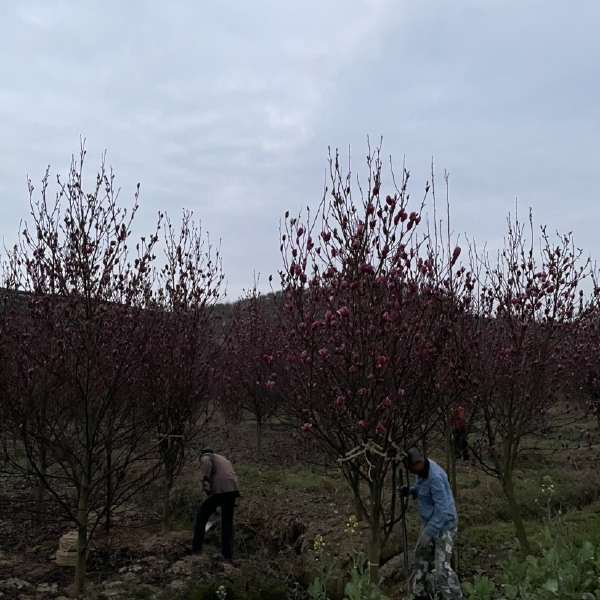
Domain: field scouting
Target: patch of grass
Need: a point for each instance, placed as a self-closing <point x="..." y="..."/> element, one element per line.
<point x="273" y="593"/>
<point x="186" y="496"/>
<point x="199" y="591"/>
<point x="296" y="486"/>
<point x="256" y="477"/>
<point x="251" y="591"/>
<point x="482" y="502"/>
<point x="578" y="525"/>
<point x="539" y="459"/>
<point x="495" y="536"/>
<point x="141" y="592"/>
<point x="468" y="479"/>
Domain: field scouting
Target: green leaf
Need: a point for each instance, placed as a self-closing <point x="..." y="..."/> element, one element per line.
<point x="551" y="585"/>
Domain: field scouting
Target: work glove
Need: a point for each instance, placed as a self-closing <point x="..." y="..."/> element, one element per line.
<point x="425" y="540"/>
<point x="406" y="491"/>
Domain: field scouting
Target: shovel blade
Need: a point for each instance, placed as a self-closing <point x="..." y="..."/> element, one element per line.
<point x="211" y="522"/>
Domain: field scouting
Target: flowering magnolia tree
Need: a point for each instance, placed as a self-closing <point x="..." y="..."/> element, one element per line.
<point x="368" y="311"/>
<point x="74" y="350"/>
<point x="252" y="377"/>
<point x="585" y="366"/>
<point x="184" y="333"/>
<point x="30" y="383"/>
<point x="525" y="310"/>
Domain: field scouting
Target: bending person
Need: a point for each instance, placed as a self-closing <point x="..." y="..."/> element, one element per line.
<point x="220" y="483"/>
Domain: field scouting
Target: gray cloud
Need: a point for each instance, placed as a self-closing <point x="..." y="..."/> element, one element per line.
<point x="228" y="108"/>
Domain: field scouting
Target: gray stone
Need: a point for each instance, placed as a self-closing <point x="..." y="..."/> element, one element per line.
<point x="15" y="584"/>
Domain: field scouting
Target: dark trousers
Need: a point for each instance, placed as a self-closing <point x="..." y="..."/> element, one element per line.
<point x="226" y="502"/>
<point x="461" y="445"/>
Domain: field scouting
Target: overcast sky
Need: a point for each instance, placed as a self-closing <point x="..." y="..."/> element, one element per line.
<point x="227" y="108"/>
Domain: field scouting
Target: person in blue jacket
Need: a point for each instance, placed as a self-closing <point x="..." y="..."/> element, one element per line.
<point x="437" y="510"/>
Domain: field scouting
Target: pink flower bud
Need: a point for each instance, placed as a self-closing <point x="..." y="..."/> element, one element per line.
<point x="382" y="361"/>
<point x="343" y="312"/>
<point x="324" y="352"/>
<point x="385" y="403"/>
<point x="380" y="428"/>
<point x="362" y="423"/>
<point x="306" y="427"/>
<point x="270" y="384"/>
<point x="340" y="400"/>
<point x="400" y="393"/>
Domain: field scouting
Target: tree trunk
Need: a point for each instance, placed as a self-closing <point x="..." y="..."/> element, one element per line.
<point x="166" y="499"/>
<point x="374" y="550"/>
<point x="358" y="508"/>
<point x="451" y="460"/>
<point x="451" y="469"/>
<point x="515" y="512"/>
<point x="82" y="541"/>
<point x="259" y="436"/>
<point x="38" y="493"/>
<point x="109" y="491"/>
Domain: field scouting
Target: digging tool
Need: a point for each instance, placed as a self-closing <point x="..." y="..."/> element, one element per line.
<point x="397" y="469"/>
<point x="214" y="519"/>
<point x="403" y="507"/>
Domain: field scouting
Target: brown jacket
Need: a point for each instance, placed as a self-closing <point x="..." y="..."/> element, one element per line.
<point x="218" y="475"/>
